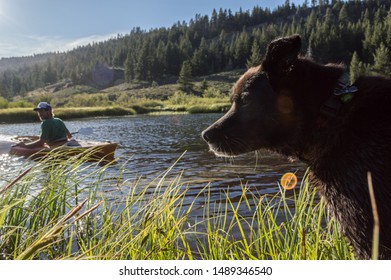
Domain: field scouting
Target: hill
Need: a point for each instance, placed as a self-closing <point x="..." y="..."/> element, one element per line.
<point x="15" y="63"/>
<point x="65" y="94"/>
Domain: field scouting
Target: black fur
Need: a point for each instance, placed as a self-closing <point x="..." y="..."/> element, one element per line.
<point x="278" y="106"/>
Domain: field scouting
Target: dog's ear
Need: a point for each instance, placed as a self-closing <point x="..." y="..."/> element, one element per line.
<point x="281" y="53"/>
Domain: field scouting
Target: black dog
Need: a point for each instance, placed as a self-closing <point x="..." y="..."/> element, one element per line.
<point x="301" y="109"/>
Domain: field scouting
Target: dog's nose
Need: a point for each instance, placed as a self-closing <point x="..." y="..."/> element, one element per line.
<point x="204" y="135"/>
<point x="208" y="135"/>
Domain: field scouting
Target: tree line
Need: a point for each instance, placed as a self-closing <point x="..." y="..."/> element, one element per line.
<point x="356" y="32"/>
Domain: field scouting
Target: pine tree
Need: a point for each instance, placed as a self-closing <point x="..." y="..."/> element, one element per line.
<point x="5" y="84"/>
<point x="214" y="22"/>
<point x="343" y="17"/>
<point x="119" y="57"/>
<point x="311" y="22"/>
<point x="241" y="50"/>
<point x="200" y="61"/>
<point x="256" y="56"/>
<point x="160" y="55"/>
<point x="49" y="75"/>
<point x="172" y="63"/>
<point x="388" y="28"/>
<point x="382" y="60"/>
<point x="356" y="68"/>
<point x="143" y="62"/>
<point x="204" y="86"/>
<point x="185" y="47"/>
<point x="185" y="77"/>
<point x="328" y="17"/>
<point x="129" y="67"/>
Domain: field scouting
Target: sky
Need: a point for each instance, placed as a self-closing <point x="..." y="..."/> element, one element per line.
<point x="30" y="27"/>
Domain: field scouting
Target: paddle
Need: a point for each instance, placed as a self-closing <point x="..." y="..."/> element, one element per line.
<point x="84" y="131"/>
<point x="5" y="146"/>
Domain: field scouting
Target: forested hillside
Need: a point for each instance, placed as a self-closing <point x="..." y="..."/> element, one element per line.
<point x="357" y="33"/>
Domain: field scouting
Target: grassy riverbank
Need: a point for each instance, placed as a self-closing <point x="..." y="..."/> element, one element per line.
<point x="61" y="210"/>
<point x="179" y="102"/>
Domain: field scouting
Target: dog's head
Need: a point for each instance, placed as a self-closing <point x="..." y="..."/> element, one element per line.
<point x="259" y="116"/>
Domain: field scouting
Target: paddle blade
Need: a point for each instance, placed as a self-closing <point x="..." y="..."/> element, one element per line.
<point x="5" y="146"/>
<point x="85" y="131"/>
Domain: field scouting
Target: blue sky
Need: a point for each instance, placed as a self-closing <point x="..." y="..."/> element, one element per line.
<point x="37" y="26"/>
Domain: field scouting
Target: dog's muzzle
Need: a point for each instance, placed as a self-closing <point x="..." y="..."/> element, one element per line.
<point x="208" y="135"/>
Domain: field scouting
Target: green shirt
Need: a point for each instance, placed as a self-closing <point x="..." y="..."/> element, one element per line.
<point x="53" y="129"/>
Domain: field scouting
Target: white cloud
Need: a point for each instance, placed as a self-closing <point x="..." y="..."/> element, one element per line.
<point x="35" y="44"/>
<point x="86" y="40"/>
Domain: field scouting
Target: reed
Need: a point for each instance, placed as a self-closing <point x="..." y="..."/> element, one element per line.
<point x="60" y="210"/>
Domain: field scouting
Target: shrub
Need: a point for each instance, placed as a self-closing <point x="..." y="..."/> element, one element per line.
<point x="212" y="92"/>
<point x="3" y="103"/>
<point x="180" y="98"/>
<point x="21" y="104"/>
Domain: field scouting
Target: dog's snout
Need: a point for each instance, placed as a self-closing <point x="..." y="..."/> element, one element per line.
<point x="209" y="135"/>
<point x="205" y="135"/>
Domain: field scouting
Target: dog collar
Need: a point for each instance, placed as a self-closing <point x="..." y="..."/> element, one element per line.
<point x="342" y="94"/>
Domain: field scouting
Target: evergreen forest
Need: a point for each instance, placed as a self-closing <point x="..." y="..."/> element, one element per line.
<point x="356" y="33"/>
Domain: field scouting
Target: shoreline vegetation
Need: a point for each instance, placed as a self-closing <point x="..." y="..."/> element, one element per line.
<point x="62" y="209"/>
<point x="197" y="105"/>
<point x="124" y="99"/>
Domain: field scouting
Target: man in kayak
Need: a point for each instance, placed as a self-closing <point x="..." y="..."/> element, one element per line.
<point x="53" y="130"/>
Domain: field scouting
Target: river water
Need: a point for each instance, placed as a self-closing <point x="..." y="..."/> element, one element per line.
<point x="150" y="144"/>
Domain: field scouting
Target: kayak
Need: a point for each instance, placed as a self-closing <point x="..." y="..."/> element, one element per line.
<point x="92" y="150"/>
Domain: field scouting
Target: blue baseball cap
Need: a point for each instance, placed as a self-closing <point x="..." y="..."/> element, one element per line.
<point x="43" y="106"/>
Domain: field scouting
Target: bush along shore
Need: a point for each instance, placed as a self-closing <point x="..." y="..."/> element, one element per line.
<point x="61" y="209"/>
<point x="21" y="115"/>
<point x="193" y="105"/>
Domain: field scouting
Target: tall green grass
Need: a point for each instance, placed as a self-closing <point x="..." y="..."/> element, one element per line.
<point x="61" y="210"/>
